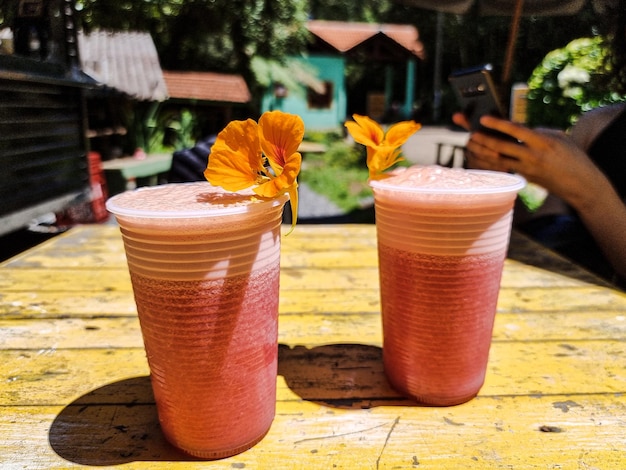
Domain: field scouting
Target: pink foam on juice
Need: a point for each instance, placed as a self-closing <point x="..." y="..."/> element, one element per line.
<point x="449" y="180"/>
<point x="442" y="236"/>
<point x="205" y="266"/>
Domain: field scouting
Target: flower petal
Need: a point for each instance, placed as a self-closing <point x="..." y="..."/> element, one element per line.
<point x="400" y="132"/>
<point x="382" y="158"/>
<point x="293" y="200"/>
<point x="280" y="135"/>
<point x="286" y="182"/>
<point x="382" y="148"/>
<point x="283" y="181"/>
<point x="365" y="131"/>
<point x="235" y="161"/>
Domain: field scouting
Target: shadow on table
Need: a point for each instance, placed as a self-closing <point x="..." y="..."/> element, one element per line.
<point x="346" y="376"/>
<point x="117" y="423"/>
<point x="113" y="425"/>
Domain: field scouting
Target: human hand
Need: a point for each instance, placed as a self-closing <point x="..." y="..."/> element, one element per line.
<point x="461" y="120"/>
<point x="545" y="157"/>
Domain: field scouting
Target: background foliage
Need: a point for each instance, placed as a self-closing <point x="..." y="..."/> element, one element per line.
<point x="260" y="38"/>
<point x="565" y="84"/>
<point x="206" y="34"/>
<point x="226" y="35"/>
<point x="230" y="35"/>
<point x="340" y="173"/>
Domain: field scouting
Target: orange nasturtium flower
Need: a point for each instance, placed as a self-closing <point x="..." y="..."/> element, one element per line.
<point x="240" y="152"/>
<point x="383" y="150"/>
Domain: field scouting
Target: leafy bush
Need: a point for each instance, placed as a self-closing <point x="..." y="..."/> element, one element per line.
<point x="347" y="188"/>
<point x="343" y="156"/>
<point x="563" y="86"/>
<point x="340" y="173"/>
<point x="323" y="137"/>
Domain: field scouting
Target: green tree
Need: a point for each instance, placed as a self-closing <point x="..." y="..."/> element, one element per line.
<point x="565" y="84"/>
<point x="225" y="35"/>
<point x="371" y="11"/>
<point x="472" y="39"/>
<point x="201" y="35"/>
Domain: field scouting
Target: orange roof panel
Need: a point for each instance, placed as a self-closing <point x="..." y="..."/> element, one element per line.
<point x="345" y="36"/>
<point x="207" y="86"/>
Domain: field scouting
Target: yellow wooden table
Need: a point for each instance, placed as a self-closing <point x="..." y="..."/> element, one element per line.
<point x="75" y="389"/>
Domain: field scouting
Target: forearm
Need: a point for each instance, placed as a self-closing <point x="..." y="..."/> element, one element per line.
<point x="554" y="161"/>
<point x="604" y="215"/>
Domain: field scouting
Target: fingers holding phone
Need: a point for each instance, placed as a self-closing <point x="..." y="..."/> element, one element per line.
<point x="484" y="149"/>
<point x="478" y="96"/>
<point x="490" y="152"/>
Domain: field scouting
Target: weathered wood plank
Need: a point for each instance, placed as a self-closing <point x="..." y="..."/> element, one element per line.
<point x="111" y="255"/>
<point x="335" y="371"/>
<point x="66" y="333"/>
<point x="583" y="298"/>
<point x="558" y="432"/>
<point x="88" y="279"/>
<point x="308" y="329"/>
<point x="85" y="247"/>
<point x="102" y="246"/>
<point x="99" y="302"/>
<point x="64" y="304"/>
<point x="75" y="389"/>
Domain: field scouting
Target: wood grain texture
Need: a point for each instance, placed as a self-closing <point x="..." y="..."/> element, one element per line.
<point x="75" y="390"/>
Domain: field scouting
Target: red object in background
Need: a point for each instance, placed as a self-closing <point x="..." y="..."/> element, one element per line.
<point x="98" y="185"/>
<point x="91" y="209"/>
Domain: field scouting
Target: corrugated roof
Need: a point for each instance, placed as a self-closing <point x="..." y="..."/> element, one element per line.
<point x="126" y="61"/>
<point x="345" y="36"/>
<point x="207" y="86"/>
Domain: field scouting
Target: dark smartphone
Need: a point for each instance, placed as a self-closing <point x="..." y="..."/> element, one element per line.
<point x="477" y="94"/>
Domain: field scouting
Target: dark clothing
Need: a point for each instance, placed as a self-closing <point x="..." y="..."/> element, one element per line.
<point x="608" y="151"/>
<point x="189" y="164"/>
<point x="566" y="234"/>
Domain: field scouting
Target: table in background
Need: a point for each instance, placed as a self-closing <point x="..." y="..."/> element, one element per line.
<point x="130" y="172"/>
<point x="75" y="388"/>
<point x="447" y="153"/>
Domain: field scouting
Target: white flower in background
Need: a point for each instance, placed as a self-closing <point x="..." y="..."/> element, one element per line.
<point x="570" y="80"/>
<point x="573" y="75"/>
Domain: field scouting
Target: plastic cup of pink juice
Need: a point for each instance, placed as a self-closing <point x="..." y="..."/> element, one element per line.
<point x="442" y="236"/>
<point x="204" y="266"/>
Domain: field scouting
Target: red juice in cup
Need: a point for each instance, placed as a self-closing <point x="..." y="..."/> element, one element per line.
<point x="442" y="240"/>
<point x="204" y="266"/>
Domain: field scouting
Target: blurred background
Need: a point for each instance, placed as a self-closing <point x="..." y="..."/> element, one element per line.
<point x="96" y="96"/>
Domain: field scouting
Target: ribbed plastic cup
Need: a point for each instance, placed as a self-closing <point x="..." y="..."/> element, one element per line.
<point x="442" y="240"/>
<point x="204" y="266"/>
